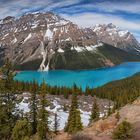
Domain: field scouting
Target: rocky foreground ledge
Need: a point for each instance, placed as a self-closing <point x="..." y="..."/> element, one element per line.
<point x="102" y="130"/>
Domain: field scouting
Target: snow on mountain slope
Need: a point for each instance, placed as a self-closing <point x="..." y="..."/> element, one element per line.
<point x="27" y="38"/>
<point x="32" y="40"/>
<point x="48" y="34"/>
<point x="112" y="35"/>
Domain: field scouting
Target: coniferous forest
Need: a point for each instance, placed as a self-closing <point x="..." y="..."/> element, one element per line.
<point x="69" y="69"/>
<point x="15" y="125"/>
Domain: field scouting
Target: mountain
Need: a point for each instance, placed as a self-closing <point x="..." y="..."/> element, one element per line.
<point x="112" y="35"/>
<point x="46" y="41"/>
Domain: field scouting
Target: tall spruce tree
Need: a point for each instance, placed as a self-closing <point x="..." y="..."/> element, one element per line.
<point x="109" y="112"/>
<point x="8" y="114"/>
<point x="33" y="106"/>
<point x="56" y="123"/>
<point x="22" y="130"/>
<point x="74" y="123"/>
<point x="95" y="111"/>
<point x="42" y="126"/>
<point x="117" y="115"/>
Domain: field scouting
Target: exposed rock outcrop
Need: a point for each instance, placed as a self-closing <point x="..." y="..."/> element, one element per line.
<point x="46" y="41"/>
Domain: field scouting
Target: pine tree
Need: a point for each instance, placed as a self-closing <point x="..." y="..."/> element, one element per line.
<point x="114" y="108"/>
<point x="74" y="123"/>
<point x="22" y="130"/>
<point x="87" y="91"/>
<point x="124" y="130"/>
<point x="7" y="103"/>
<point x="56" y="123"/>
<point x="109" y="110"/>
<point x="95" y="111"/>
<point x="117" y="116"/>
<point x="42" y="126"/>
<point x="33" y="107"/>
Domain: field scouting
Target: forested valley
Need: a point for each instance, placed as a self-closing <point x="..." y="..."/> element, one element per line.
<point x="16" y="125"/>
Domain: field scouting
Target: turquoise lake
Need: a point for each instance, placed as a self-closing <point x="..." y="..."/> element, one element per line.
<point x="83" y="78"/>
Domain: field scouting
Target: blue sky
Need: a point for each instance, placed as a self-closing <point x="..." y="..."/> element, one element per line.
<point x="86" y="13"/>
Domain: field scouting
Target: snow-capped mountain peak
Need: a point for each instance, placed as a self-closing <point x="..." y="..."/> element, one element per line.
<point x="40" y="36"/>
<point x="111" y="34"/>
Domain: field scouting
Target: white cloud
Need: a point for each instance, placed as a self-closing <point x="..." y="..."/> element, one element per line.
<point x="90" y="19"/>
<point x="61" y="4"/>
<point x="111" y="7"/>
<point x="129" y="6"/>
<point x="17" y="7"/>
<point x="84" y="19"/>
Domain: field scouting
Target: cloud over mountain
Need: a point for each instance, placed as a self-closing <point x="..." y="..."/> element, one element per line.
<point x="125" y="14"/>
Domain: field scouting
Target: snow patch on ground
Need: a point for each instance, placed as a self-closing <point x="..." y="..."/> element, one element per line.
<point x="6" y="35"/>
<point x="60" y="50"/>
<point x="16" y="30"/>
<point x="122" y="33"/>
<point x="23" y="105"/>
<point x="14" y="40"/>
<point x="88" y="48"/>
<point x="47" y="67"/>
<point x="62" y="115"/>
<point x="28" y="37"/>
<point x="48" y="34"/>
<point x="78" y="49"/>
<point x="57" y="107"/>
<point x="92" y="48"/>
<point x="34" y="26"/>
<point x="69" y="39"/>
<point x="97" y="28"/>
<point x="44" y="55"/>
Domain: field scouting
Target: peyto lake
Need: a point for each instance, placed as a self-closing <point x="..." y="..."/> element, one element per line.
<point x="83" y="78"/>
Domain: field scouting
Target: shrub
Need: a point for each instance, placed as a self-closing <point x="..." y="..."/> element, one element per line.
<point x="80" y="137"/>
<point x="124" y="130"/>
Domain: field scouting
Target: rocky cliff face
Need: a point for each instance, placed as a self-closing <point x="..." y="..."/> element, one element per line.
<point x="35" y="41"/>
<point x="112" y="35"/>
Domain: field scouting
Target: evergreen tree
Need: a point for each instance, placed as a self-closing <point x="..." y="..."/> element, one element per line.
<point x="42" y="126"/>
<point x="114" y="108"/>
<point x="87" y="91"/>
<point x="8" y="113"/>
<point x="33" y="107"/>
<point x="109" y="112"/>
<point x="119" y="91"/>
<point x="22" y="130"/>
<point x="74" y="123"/>
<point x="124" y="130"/>
<point x="95" y="111"/>
<point x="117" y="115"/>
<point x="56" y="123"/>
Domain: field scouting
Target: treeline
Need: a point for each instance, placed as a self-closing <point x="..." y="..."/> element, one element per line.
<point x="21" y="87"/>
<point x="17" y="125"/>
<point x="121" y="92"/>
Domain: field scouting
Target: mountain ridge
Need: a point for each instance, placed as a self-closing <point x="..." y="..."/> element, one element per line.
<point x="39" y="37"/>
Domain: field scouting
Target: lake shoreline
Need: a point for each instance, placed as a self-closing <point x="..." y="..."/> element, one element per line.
<point x="17" y="71"/>
<point x="82" y="78"/>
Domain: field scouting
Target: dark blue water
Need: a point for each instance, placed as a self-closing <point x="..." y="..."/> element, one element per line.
<point x="83" y="78"/>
